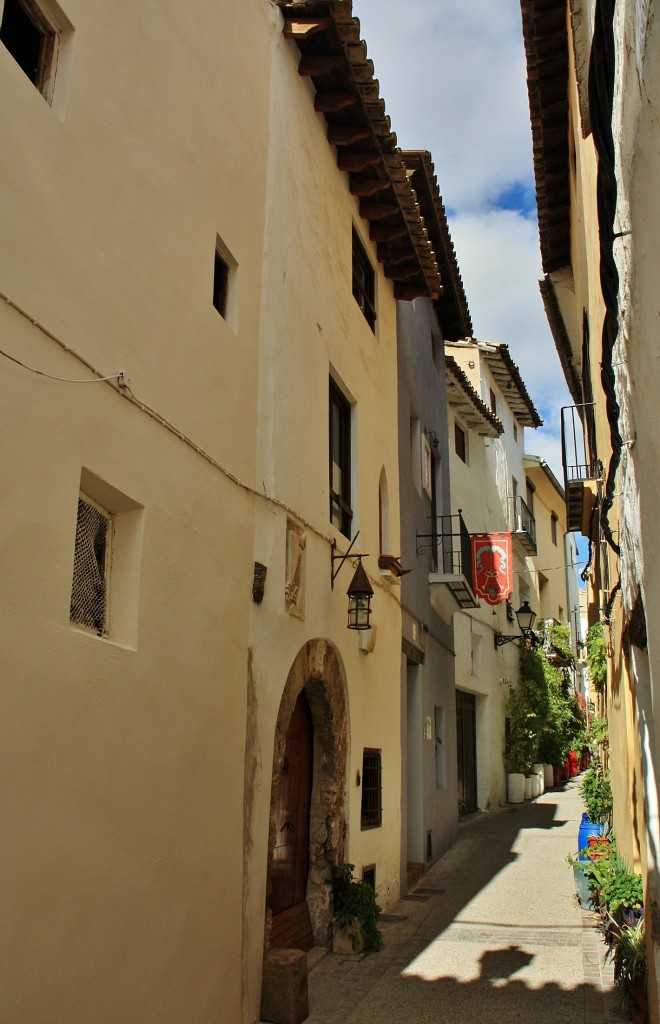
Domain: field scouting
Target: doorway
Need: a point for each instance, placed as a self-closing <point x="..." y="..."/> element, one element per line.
<point x="466" y="745"/>
<point x="291" y="926"/>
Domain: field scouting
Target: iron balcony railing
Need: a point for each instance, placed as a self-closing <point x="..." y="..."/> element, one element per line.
<point x="449" y="545"/>
<point x="578" y="443"/>
<point x="524" y="523"/>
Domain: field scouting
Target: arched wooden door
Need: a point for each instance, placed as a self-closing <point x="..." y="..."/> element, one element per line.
<point x="291" y="926"/>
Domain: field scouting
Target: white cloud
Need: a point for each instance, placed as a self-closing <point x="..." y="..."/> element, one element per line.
<point x="453" y="78"/>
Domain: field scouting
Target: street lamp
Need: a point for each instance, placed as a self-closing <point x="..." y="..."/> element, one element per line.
<point x="525" y="617"/>
<point x="359" y="591"/>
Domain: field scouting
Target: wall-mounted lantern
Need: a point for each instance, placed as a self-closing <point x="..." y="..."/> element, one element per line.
<point x="359" y="591"/>
<point x="525" y="617"/>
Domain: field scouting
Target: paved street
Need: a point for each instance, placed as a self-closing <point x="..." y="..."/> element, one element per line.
<point x="493" y="933"/>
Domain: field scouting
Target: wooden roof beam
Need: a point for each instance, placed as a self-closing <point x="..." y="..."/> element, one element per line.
<point x="367" y="186"/>
<point x="376" y="211"/>
<point x="331" y="102"/>
<point x="355" y="162"/>
<point x="386" y="232"/>
<point x="319" y="64"/>
<point x="301" y="28"/>
<point x="346" y="135"/>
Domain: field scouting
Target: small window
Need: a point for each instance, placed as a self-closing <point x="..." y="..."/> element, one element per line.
<point x="515" y="431"/>
<point x="31" y="40"/>
<point x="90" y="567"/>
<point x="427" y="467"/>
<point x="372" y="810"/>
<point x="225" y="281"/>
<point x="460" y="442"/>
<point x="220" y="285"/>
<point x="493" y="402"/>
<point x="341" y="513"/>
<point x="364" y="281"/>
<point x="554" y="519"/>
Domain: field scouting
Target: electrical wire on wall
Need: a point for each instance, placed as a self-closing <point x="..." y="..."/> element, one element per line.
<point x="601" y="105"/>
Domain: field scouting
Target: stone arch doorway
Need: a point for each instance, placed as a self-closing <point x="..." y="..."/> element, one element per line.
<point x="316" y="683"/>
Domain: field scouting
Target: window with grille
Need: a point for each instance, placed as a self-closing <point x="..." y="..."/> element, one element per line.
<point x="89" y="591"/>
<point x="363" y="281"/>
<point x="372" y="809"/>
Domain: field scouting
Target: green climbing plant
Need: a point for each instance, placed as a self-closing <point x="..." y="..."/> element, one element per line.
<point x="597" y="656"/>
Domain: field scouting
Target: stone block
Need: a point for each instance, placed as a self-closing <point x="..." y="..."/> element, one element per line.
<point x="284" y="987"/>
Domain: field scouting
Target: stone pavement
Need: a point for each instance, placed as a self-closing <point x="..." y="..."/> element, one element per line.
<point x="493" y="932"/>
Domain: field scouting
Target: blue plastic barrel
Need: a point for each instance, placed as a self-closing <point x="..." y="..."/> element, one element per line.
<point x="588" y="828"/>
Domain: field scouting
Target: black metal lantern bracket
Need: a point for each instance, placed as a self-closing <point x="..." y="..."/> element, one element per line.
<point x="353" y="556"/>
<point x="359" y="591"/>
<point x="523" y="615"/>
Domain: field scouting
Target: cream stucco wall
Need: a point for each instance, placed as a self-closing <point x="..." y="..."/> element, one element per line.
<point x="122" y="757"/>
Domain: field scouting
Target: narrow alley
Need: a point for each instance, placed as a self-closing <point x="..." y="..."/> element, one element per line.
<point x="493" y="932"/>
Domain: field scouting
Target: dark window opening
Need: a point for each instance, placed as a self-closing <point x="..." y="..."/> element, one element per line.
<point x="363" y="281"/>
<point x="493" y="402"/>
<point x="369" y="875"/>
<point x="29" y="40"/>
<point x="341" y="513"/>
<point x="220" y="285"/>
<point x="372" y="810"/>
<point x="553" y="528"/>
<point x="460" y="442"/>
<point x="429" y="846"/>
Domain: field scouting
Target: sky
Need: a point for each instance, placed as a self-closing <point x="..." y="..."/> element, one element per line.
<point x="452" y="74"/>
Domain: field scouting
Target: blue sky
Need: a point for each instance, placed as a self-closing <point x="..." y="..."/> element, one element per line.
<point x="452" y="75"/>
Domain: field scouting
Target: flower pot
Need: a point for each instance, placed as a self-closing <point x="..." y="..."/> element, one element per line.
<point x="555" y="774"/>
<point x="347" y="941"/>
<point x="515" y="788"/>
<point x="528" y="787"/>
<point x="536" y="786"/>
<point x="598" y="840"/>
<point x="548" y="776"/>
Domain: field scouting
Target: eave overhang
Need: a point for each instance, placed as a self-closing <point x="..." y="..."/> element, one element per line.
<point x="507" y="377"/>
<point x="561" y="337"/>
<point x="461" y="396"/>
<point x="545" y="35"/>
<point x="452" y="307"/>
<point x="334" y="58"/>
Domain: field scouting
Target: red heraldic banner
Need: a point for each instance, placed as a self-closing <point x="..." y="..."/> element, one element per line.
<point x="492" y="573"/>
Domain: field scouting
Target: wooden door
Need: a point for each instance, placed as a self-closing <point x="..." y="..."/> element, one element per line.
<point x="290" y="865"/>
<point x="466" y="744"/>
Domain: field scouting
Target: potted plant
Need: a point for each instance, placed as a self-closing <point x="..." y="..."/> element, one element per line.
<point x="597" y="795"/>
<point x="628" y="954"/>
<point x="356" y="912"/>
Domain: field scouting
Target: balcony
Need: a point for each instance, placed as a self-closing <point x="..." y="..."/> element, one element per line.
<point x="581" y="465"/>
<point x="524" y="525"/>
<point x="450" y="578"/>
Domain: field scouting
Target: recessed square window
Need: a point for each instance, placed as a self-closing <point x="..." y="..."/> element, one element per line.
<point x="364" y="281"/>
<point x="36" y="32"/>
<point x="225" y="283"/>
<point x="220" y="282"/>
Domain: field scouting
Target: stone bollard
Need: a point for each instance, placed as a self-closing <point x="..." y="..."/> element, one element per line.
<point x="284" y="987"/>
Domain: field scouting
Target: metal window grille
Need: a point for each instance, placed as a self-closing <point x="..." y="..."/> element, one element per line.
<point x="364" y="290"/>
<point x="372" y="810"/>
<point x="90" y="568"/>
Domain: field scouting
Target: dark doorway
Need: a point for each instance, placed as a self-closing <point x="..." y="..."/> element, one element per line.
<point x="291" y="926"/>
<point x="466" y="744"/>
